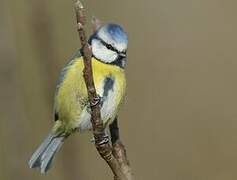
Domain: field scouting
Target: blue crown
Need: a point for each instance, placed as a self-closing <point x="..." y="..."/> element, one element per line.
<point x="117" y="33"/>
<point x="113" y="31"/>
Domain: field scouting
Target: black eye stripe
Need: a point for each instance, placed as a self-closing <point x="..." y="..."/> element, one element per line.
<point x="108" y="46"/>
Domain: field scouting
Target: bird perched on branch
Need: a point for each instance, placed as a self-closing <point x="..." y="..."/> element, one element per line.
<point x="72" y="110"/>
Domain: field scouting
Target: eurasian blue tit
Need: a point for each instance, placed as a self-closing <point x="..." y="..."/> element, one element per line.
<point x="71" y="107"/>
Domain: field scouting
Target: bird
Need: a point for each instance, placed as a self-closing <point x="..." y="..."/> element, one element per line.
<point x="72" y="111"/>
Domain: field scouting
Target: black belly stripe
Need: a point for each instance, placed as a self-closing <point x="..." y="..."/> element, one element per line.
<point x="108" y="86"/>
<point x="56" y="116"/>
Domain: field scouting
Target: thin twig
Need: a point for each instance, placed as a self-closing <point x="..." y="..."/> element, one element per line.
<point x="103" y="146"/>
<point x="119" y="151"/>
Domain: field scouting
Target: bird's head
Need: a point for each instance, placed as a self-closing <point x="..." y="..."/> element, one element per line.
<point x="109" y="44"/>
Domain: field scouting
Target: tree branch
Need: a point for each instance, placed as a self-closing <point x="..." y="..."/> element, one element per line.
<point x="116" y="156"/>
<point x="119" y="151"/>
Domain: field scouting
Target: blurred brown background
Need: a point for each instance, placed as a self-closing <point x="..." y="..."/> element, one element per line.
<point x="179" y="121"/>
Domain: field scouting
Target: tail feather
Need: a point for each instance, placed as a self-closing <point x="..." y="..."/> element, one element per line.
<point x="35" y="158"/>
<point x="49" y="153"/>
<point x="43" y="156"/>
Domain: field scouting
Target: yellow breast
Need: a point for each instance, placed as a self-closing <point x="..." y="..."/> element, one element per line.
<point x="72" y="98"/>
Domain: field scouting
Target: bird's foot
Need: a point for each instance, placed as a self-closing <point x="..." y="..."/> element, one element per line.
<point x="96" y="101"/>
<point x="102" y="140"/>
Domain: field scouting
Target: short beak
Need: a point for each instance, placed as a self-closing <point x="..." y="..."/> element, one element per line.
<point x="122" y="54"/>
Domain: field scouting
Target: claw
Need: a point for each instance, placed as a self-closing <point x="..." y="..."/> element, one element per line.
<point x="103" y="140"/>
<point x="96" y="101"/>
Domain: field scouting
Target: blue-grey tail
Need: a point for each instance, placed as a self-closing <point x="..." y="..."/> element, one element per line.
<point x="43" y="156"/>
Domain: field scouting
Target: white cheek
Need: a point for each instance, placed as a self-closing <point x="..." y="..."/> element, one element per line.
<point x="102" y="53"/>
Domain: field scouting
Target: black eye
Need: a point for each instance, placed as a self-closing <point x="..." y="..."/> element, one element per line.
<point x="109" y="46"/>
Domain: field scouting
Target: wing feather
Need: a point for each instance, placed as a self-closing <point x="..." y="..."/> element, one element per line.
<point x="62" y="76"/>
